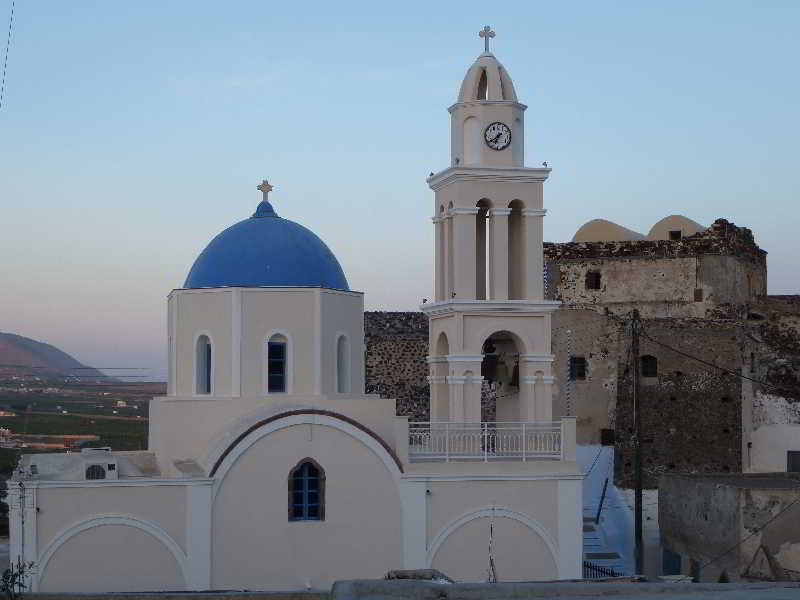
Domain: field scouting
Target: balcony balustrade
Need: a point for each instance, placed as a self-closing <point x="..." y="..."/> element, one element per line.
<point x="447" y="441"/>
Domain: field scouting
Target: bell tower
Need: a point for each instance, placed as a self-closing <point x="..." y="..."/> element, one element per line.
<point x="489" y="323"/>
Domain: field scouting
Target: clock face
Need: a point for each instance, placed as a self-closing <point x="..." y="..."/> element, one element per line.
<point x="497" y="136"/>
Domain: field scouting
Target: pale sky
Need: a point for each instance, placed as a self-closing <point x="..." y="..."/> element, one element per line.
<point x="131" y="133"/>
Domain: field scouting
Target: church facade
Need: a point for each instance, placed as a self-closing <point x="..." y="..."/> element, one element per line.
<point x="269" y="468"/>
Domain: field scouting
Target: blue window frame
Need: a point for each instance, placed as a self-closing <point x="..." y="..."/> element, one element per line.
<point x="307" y="492"/>
<point x="276" y="367"/>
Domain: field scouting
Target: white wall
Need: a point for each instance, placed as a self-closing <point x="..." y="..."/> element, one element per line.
<point x="257" y="547"/>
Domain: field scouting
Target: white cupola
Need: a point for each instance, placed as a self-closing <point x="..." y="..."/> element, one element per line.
<point x="487" y="127"/>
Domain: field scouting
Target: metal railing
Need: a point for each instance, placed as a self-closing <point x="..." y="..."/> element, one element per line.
<point x="594" y="571"/>
<point x="447" y="441"/>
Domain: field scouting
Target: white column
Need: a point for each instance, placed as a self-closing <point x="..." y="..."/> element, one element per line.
<point x="498" y="253"/>
<point x="447" y="262"/>
<point x="465" y="387"/>
<point x="533" y="250"/>
<point x="463" y="247"/>
<point x="198" y="536"/>
<point x="544" y="398"/>
<point x="570" y="528"/>
<point x="527" y="400"/>
<point x="172" y="376"/>
<point x="23" y="529"/>
<point x="236" y="342"/>
<point x="455" y="393"/>
<point x="439" y="274"/>
<point x="414" y="506"/>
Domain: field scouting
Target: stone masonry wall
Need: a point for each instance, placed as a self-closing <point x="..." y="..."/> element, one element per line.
<point x="691" y="414"/>
<point x="396" y="346"/>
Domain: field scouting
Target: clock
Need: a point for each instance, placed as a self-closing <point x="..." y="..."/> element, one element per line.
<point x="497" y="136"/>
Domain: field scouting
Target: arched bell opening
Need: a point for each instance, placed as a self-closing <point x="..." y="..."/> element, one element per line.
<point x="440" y="390"/>
<point x="500" y="393"/>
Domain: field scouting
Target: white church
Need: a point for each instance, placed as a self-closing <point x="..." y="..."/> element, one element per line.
<point x="268" y="468"/>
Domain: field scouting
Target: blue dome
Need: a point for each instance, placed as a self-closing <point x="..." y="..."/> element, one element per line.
<point x="266" y="250"/>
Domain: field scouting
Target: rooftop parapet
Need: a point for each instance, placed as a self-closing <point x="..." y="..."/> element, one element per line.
<point x="723" y="238"/>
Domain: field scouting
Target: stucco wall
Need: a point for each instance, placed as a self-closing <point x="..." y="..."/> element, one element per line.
<point x="462" y="552"/>
<point x="64" y="507"/>
<point x="112" y="558"/>
<point x="255" y="546"/>
<point x="520" y="554"/>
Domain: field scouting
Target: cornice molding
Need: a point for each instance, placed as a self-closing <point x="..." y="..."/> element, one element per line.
<point x="484" y="174"/>
<point x="534" y="212"/>
<point x="499" y="212"/>
<point x="461" y="358"/>
<point x="463" y="211"/>
<point x="510" y="307"/>
<point x="473" y="103"/>
<point x="528" y="357"/>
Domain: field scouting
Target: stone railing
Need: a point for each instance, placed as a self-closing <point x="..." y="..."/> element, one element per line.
<point x="449" y="442"/>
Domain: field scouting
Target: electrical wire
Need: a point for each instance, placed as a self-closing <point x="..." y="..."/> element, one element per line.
<point x="5" y="59"/>
<point x="740" y="542"/>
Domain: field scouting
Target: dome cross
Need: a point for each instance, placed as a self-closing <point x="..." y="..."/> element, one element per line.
<point x="265" y="188"/>
<point x="486" y="33"/>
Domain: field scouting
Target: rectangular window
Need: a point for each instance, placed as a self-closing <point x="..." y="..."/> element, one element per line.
<point x="675" y="236"/>
<point x="593" y="280"/>
<point x="276" y="367"/>
<point x="577" y="368"/>
<point x="698" y="294"/>
<point x="793" y="461"/>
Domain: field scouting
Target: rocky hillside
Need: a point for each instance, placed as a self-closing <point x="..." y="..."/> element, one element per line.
<point x="24" y="357"/>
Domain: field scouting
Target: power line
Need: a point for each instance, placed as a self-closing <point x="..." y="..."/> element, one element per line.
<point x="740" y="542"/>
<point x="5" y="60"/>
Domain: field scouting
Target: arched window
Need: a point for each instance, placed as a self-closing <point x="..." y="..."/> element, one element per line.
<point x="649" y="366"/>
<point x="203" y="365"/>
<point x="277" y="364"/>
<point x="95" y="472"/>
<point x="307" y="492"/>
<point x="343" y="365"/>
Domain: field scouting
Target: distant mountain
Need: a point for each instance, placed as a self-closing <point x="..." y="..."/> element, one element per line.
<point x="23" y="356"/>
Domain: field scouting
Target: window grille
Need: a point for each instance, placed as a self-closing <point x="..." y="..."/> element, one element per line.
<point x="307" y="492"/>
<point x="95" y="472"/>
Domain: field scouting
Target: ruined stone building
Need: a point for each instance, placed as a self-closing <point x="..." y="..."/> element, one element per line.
<point x="703" y="293"/>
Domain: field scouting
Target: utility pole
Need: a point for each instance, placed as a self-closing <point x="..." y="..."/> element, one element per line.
<point x="636" y="326"/>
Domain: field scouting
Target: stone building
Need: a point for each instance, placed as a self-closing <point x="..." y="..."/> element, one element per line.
<point x="701" y="291"/>
<point x="733" y="527"/>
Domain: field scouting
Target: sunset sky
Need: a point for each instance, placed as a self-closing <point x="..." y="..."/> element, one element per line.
<point x="132" y="133"/>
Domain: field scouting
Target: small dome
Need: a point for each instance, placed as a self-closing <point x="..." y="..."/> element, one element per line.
<point x="487" y="79"/>
<point x="266" y="251"/>
<point x="600" y="230"/>
<point x="665" y="228"/>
